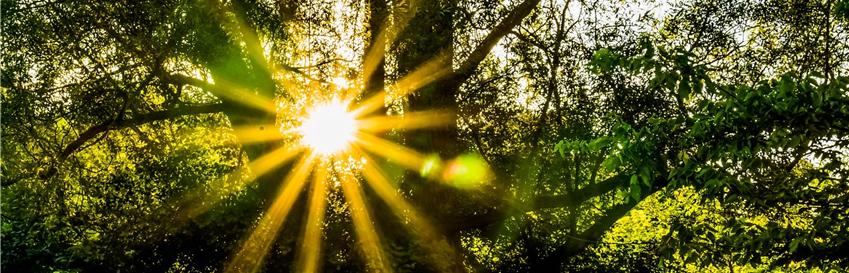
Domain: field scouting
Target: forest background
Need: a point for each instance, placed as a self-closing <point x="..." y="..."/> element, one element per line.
<point x="503" y="136"/>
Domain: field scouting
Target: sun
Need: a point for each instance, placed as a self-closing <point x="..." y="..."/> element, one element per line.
<point x="328" y="128"/>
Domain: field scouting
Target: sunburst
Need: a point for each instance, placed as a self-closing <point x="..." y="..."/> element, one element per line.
<point x="325" y="133"/>
<point x="328" y="128"/>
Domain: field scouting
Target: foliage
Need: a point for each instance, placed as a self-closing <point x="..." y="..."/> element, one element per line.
<point x="591" y="136"/>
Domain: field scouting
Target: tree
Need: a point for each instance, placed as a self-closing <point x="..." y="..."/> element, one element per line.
<point x="515" y="136"/>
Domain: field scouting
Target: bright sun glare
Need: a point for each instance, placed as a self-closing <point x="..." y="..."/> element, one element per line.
<point x="328" y="128"/>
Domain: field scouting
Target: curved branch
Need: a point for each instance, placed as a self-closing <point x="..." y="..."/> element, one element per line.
<point x="8" y="182"/>
<point x="611" y="216"/>
<point x="506" y="211"/>
<point x="119" y="124"/>
<point x="580" y="196"/>
<point x="468" y="66"/>
<point x="153" y="116"/>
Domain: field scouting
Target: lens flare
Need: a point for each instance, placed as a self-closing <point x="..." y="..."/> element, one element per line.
<point x="328" y="128"/>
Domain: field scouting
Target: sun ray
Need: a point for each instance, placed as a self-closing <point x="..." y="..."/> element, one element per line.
<point x="375" y="54"/>
<point x="397" y="153"/>
<point x="243" y="34"/>
<point x="434" y="69"/>
<point x="256" y="246"/>
<point x="197" y="202"/>
<point x="254" y="134"/>
<point x="409" y="121"/>
<point x="420" y="227"/>
<point x="368" y="240"/>
<point x="311" y="244"/>
<point x="251" y="42"/>
<point x="243" y="95"/>
<point x="253" y="46"/>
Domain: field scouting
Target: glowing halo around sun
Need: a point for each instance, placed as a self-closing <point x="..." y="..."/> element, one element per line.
<point x="324" y="138"/>
<point x="326" y="141"/>
<point x="328" y="128"/>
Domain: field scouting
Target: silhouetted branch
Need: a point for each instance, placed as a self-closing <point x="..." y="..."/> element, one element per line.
<point x="541" y="202"/>
<point x="141" y="119"/>
<point x="514" y="18"/>
<point x="580" y="196"/>
<point x="604" y="223"/>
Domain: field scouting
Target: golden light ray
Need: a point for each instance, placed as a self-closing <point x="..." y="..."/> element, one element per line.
<point x="250" y="40"/>
<point x="308" y="257"/>
<point x="368" y="240"/>
<point x="432" y="70"/>
<point x="243" y="95"/>
<point x="253" y="134"/>
<point x="256" y="246"/>
<point x="254" y="48"/>
<point x="420" y="227"/>
<point x="375" y="54"/>
<point x="198" y="202"/>
<point x="409" y="121"/>
<point x="397" y="153"/>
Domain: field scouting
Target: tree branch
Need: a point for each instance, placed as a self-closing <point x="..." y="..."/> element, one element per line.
<point x="508" y="210"/>
<point x="119" y="124"/>
<point x="611" y="216"/>
<point x="580" y="196"/>
<point x="467" y="68"/>
<point x="8" y="182"/>
<point x="153" y="116"/>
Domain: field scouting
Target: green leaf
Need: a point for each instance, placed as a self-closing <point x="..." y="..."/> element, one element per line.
<point x="635" y="188"/>
<point x="750" y="95"/>
<point x="663" y="52"/>
<point x="795" y="244"/>
<point x="794" y="141"/>
<point x="561" y="148"/>
<point x="600" y="143"/>
<point x="604" y="60"/>
<point x="698" y="87"/>
<point x="645" y="174"/>
<point x="684" y="89"/>
<point x="612" y="163"/>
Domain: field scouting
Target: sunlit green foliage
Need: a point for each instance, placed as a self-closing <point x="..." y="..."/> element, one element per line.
<point x="592" y="136"/>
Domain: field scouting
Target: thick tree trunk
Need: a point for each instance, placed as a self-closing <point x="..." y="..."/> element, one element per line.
<point x="433" y="19"/>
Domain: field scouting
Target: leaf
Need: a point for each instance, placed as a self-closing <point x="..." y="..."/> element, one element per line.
<point x="645" y="173"/>
<point x="750" y="95"/>
<point x="684" y="89"/>
<point x="603" y="60"/>
<point x="698" y="87"/>
<point x="561" y="148"/>
<point x="795" y="244"/>
<point x="663" y="52"/>
<point x="612" y="163"/>
<point x="635" y="188"/>
<point x="600" y="143"/>
<point x="646" y="43"/>
<point x="700" y="116"/>
<point x="794" y="141"/>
